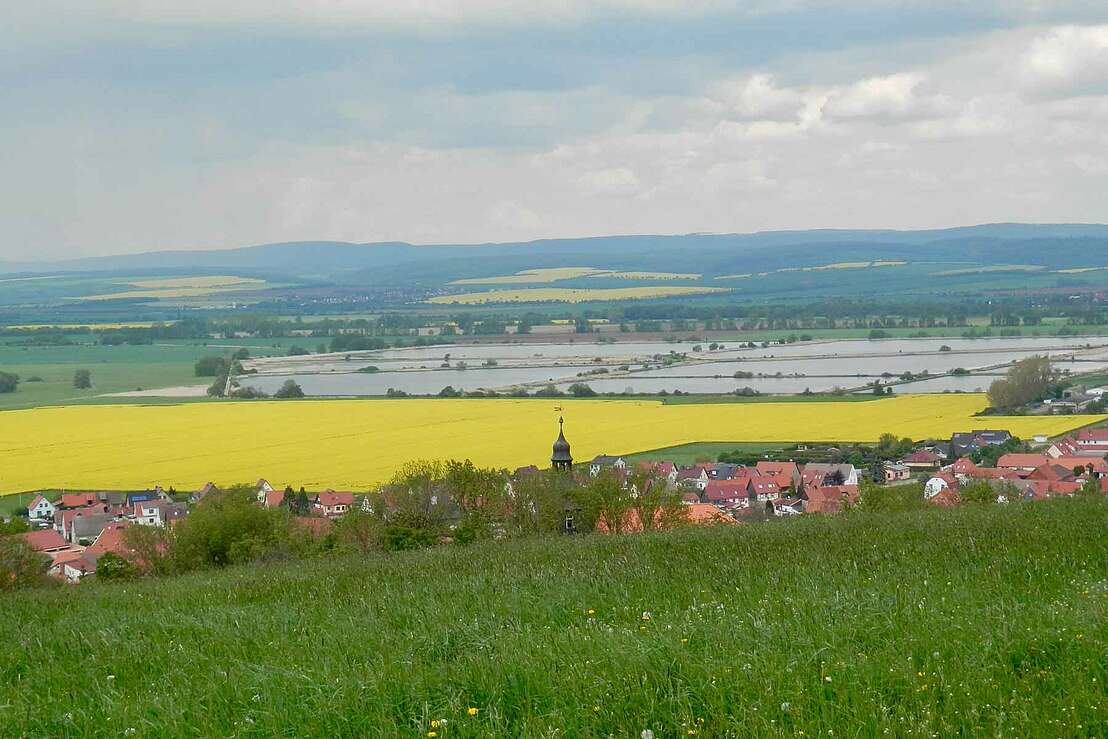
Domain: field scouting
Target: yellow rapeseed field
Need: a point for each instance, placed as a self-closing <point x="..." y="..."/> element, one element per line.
<point x="532" y="276"/>
<point x="181" y="287"/>
<point x="571" y="295"/>
<point x="357" y="443"/>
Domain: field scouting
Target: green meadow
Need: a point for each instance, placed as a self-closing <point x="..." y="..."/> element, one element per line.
<point x="987" y="621"/>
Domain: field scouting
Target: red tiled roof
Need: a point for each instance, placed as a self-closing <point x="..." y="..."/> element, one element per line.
<point x="331" y="498"/>
<point x="44" y="540"/>
<point x="1098" y="436"/>
<point x="1022" y="460"/>
<point x="922" y="456"/>
<point x="78" y="500"/>
<point x="275" y="498"/>
<point x="718" y="490"/>
<point x="1099" y="464"/>
<point x="111" y="540"/>
<point x="1052" y="472"/>
<point x="946" y="497"/>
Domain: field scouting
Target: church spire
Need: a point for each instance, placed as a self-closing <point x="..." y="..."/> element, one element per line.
<point x="561" y="459"/>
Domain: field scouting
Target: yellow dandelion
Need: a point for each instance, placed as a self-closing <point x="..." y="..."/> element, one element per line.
<point x="596" y="709"/>
<point x="436" y="723"/>
<point x="472" y="711"/>
<point x="684" y="641"/>
<point x="591" y="611"/>
<point x="432" y="733"/>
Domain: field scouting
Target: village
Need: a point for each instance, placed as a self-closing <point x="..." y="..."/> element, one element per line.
<point x="75" y="529"/>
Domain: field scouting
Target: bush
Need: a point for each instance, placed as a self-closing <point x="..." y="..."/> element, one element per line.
<point x="399" y="538"/>
<point x="581" y="390"/>
<point x="225" y="528"/>
<point x="111" y="566"/>
<point x="298" y="351"/>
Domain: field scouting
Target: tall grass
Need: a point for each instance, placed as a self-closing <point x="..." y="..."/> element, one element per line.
<point x="975" y="622"/>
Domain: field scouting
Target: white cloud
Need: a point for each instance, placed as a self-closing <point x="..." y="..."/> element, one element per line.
<point x="1069" y="60"/>
<point x="616" y="181"/>
<point x="894" y="96"/>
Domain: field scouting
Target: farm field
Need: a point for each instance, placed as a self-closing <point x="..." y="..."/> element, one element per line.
<point x="356" y="444"/>
<point x="981" y="621"/>
<point x="571" y="295"/>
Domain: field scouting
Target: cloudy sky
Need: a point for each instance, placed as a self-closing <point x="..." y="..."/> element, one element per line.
<point x="134" y="125"/>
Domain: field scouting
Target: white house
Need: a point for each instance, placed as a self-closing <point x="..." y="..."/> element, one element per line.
<point x="40" y="509"/>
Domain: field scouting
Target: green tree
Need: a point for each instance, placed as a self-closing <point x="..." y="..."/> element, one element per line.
<point x="978" y="492"/>
<point x="21" y="566"/>
<point x="605" y="498"/>
<point x="17" y="525"/>
<point x="82" y="379"/>
<point x="225" y="528"/>
<point x="1028" y="380"/>
<point x="876" y="498"/>
<point x="210" y="366"/>
<point x="581" y="390"/>
<point x="360" y="531"/>
<point x="289" y="390"/>
<point x="8" y="382"/>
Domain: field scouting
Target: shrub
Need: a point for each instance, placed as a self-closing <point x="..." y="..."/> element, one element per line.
<point x="8" y="382"/>
<point x="82" y="379"/>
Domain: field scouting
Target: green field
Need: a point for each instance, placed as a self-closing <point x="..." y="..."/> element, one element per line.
<point x="690" y="453"/>
<point x="985" y="621"/>
<point x="114" y="368"/>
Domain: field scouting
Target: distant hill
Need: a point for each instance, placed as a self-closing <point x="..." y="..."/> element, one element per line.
<point x="1049" y="245"/>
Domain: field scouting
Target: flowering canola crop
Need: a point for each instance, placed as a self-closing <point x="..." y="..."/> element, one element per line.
<point x="355" y="444"/>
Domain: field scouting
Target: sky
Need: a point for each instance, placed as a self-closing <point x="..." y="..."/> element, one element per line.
<point x="140" y="125"/>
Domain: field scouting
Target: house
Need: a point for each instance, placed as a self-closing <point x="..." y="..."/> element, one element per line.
<point x="830" y="498"/>
<point x="333" y="504"/>
<point x="666" y="471"/>
<point x="785" y="474"/>
<point x="72" y="567"/>
<point x="963" y="443"/>
<point x="46" y="541"/>
<point x="40" y="509"/>
<point x="818" y="474"/>
<point x="694" y="477"/>
<point x="788" y="507"/>
<point x="938" y="483"/>
<point x="762" y="489"/>
<point x="1053" y="472"/>
<point x="963" y="467"/>
<point x="111" y="539"/>
<point x="145" y="496"/>
<point x="273" y="499"/>
<point x="157" y="513"/>
<point x="1095" y="466"/>
<point x="1090" y="442"/>
<point x="83" y="524"/>
<point x="945" y="498"/>
<point x="77" y="500"/>
<point x="894" y="472"/>
<point x="203" y="492"/>
<point x="603" y="461"/>
<point x="922" y="459"/>
<point x="726" y="492"/>
<point x="1021" y="462"/>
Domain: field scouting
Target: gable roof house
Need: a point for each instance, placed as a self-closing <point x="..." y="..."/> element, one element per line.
<point x="818" y="474"/>
<point x="830" y="498"/>
<point x="762" y="489"/>
<point x="333" y="504"/>
<point x="785" y="474"/>
<point x="1021" y="462"/>
<point x="963" y="443"/>
<point x="40" y="509"/>
<point x="694" y="477"/>
<point x="157" y="513"/>
<point x="74" y="566"/>
<point x="726" y="492"/>
<point x="922" y="459"/>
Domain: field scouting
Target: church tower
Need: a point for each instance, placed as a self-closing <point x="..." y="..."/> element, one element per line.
<point x="561" y="459"/>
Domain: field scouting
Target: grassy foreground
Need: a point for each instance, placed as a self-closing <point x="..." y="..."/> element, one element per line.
<point x="986" y="622"/>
